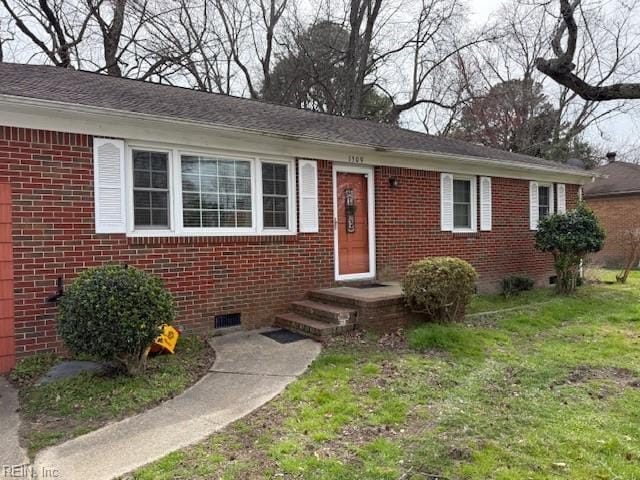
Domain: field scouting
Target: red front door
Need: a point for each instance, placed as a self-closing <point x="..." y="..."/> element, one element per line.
<point x="353" y="223"/>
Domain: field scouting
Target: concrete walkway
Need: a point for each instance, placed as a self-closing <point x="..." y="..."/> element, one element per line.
<point x="250" y="369"/>
<point x="11" y="455"/>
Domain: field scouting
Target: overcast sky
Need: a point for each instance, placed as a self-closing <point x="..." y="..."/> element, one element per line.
<point x="621" y="133"/>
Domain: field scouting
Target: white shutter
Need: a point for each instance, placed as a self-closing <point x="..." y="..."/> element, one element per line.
<point x="308" y="185"/>
<point x="485" y="203"/>
<point x="552" y="203"/>
<point x="446" y="202"/>
<point x="533" y="205"/>
<point x="562" y="198"/>
<point x="108" y="183"/>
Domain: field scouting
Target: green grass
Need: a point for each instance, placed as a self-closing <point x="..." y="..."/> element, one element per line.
<point x="61" y="410"/>
<point x="491" y="303"/>
<point x="548" y="392"/>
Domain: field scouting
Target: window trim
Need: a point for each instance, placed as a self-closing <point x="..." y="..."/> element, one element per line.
<point x="151" y="189"/>
<point x="175" y="195"/>
<point x="550" y="198"/>
<point x="291" y="199"/>
<point x="473" y="183"/>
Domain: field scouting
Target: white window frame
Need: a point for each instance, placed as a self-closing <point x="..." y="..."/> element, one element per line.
<point x="175" y="195"/>
<point x="473" y="180"/>
<point x="552" y="198"/>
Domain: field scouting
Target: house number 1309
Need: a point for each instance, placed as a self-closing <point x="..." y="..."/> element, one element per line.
<point x="356" y="159"/>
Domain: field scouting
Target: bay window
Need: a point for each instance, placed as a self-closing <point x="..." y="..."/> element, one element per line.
<point x="174" y="193"/>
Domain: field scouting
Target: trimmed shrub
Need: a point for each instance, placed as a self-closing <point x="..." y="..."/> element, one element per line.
<point x="439" y="287"/>
<point x="569" y="237"/>
<point x="515" y="284"/>
<point x="114" y="313"/>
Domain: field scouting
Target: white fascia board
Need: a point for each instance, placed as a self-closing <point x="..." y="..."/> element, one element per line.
<point x="23" y="112"/>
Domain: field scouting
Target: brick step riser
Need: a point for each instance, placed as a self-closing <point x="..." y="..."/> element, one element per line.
<point x="323" y="315"/>
<point x="314" y="333"/>
<point x="334" y="299"/>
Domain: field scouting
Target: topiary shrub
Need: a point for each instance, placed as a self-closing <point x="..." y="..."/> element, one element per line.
<point x="439" y="287"/>
<point x="569" y="237"/>
<point x="515" y="284"/>
<point x="114" y="313"/>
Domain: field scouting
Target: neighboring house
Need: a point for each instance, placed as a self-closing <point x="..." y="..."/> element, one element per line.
<point x="615" y="198"/>
<point x="241" y="206"/>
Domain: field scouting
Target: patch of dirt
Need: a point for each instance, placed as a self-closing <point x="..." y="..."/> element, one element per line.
<point x="360" y="340"/>
<point x="621" y="378"/>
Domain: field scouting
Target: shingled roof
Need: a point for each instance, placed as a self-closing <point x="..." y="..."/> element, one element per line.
<point x="621" y="178"/>
<point x="134" y="96"/>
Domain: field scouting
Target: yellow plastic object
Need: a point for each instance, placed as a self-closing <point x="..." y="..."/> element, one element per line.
<point x="167" y="339"/>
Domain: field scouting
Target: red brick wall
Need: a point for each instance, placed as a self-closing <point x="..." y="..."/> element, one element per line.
<point x="7" y="334"/>
<point x="617" y="215"/>
<point x="408" y="228"/>
<point x="53" y="233"/>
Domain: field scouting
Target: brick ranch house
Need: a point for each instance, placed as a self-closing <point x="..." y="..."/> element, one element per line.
<point x="240" y="206"/>
<point x="615" y="199"/>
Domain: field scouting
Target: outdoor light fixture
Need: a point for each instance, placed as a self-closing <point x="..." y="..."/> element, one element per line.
<point x="394" y="182"/>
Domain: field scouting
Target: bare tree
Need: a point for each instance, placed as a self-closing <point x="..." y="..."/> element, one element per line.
<point x="523" y="32"/>
<point x="630" y="239"/>
<point x="110" y="25"/>
<point x="561" y="67"/>
<point x="55" y="27"/>
<point x="434" y="49"/>
<point x="6" y="36"/>
<point x="250" y="31"/>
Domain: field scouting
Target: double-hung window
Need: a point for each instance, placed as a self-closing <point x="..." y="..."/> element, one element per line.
<point x="178" y="193"/>
<point x="544" y="201"/>
<point x="462" y="207"/>
<point x="150" y="189"/>
<point x="458" y="203"/>
<point x="275" y="195"/>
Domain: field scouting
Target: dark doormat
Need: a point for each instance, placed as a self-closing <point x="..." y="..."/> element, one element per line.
<point x="284" y="336"/>
<point x="370" y="285"/>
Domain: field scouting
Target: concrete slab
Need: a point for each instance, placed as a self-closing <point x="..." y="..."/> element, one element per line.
<point x="11" y="454"/>
<point x="390" y="291"/>
<point x="71" y="368"/>
<point x="251" y="353"/>
<point x="247" y="381"/>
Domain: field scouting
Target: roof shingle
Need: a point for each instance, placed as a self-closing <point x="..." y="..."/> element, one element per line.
<point x="621" y="178"/>
<point x="95" y="90"/>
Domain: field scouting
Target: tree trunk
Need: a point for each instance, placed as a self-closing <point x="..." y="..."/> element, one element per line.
<point x="134" y="363"/>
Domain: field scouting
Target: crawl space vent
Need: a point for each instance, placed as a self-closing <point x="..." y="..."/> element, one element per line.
<point x="226" y="320"/>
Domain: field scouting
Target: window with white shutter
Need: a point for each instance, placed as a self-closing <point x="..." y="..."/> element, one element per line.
<point x="562" y="198"/>
<point x="109" y="185"/>
<point x="458" y="203"/>
<point x="446" y="202"/>
<point x="533" y="205"/>
<point x="485" y="203"/>
<point x="308" y="186"/>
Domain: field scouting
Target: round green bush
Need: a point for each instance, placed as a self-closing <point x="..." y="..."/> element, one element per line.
<point x="439" y="287"/>
<point x="569" y="237"/>
<point x="114" y="313"/>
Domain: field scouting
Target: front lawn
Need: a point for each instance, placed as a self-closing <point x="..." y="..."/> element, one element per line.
<point x="550" y="391"/>
<point x="58" y="411"/>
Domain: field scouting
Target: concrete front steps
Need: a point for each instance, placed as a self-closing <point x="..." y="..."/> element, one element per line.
<point x="318" y="319"/>
<point x="331" y="311"/>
